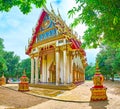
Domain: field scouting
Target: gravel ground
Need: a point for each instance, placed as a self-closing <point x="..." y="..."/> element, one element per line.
<point x="11" y="98"/>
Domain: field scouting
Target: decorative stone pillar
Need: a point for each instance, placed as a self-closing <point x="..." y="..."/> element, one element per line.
<point x="75" y="75"/>
<point x="32" y="70"/>
<point x="73" y="72"/>
<point x="36" y="70"/>
<point x="65" y="64"/>
<point x="68" y="67"/>
<point x="57" y="66"/>
<point x="40" y="69"/>
<point x="98" y="91"/>
<point x="78" y="76"/>
<point x="43" y="68"/>
<point x="24" y="83"/>
<point x="71" y="68"/>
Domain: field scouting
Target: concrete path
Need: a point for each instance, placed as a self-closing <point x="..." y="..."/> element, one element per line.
<point x="79" y="98"/>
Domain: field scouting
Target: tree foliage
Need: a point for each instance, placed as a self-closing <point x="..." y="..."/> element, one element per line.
<point x="102" y="17"/>
<point x="109" y="61"/>
<point x="11" y="65"/>
<point x="24" y="5"/>
<point x="2" y="60"/>
<point x="25" y="65"/>
<point x="89" y="72"/>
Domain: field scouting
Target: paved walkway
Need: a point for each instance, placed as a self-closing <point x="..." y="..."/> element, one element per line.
<point x="79" y="98"/>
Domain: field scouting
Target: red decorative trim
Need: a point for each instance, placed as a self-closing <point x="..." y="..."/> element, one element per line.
<point x="74" y="44"/>
<point x="98" y="87"/>
<point x="36" y="31"/>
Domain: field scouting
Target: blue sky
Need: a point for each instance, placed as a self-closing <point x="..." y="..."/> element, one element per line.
<point x="16" y="28"/>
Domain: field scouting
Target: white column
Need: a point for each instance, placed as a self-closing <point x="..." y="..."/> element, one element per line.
<point x="45" y="68"/>
<point x="65" y="66"/>
<point x="84" y="75"/>
<point x="36" y="71"/>
<point x="57" y="66"/>
<point x="68" y="67"/>
<point x="71" y="79"/>
<point x="41" y="69"/>
<point x="32" y="70"/>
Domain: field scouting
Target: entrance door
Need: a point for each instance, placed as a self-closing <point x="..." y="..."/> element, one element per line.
<point x="52" y="70"/>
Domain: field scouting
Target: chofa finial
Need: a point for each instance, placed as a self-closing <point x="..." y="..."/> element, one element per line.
<point x="59" y="13"/>
<point x="52" y="10"/>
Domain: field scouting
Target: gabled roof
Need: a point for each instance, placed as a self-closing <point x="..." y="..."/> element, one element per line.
<point x="60" y="25"/>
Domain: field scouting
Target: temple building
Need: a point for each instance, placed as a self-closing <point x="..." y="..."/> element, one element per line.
<point x="55" y="52"/>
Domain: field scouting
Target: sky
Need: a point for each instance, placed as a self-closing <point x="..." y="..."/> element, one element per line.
<point x="16" y="28"/>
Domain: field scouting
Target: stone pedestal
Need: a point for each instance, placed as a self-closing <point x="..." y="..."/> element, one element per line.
<point x="24" y="84"/>
<point x="98" y="94"/>
<point x="23" y="87"/>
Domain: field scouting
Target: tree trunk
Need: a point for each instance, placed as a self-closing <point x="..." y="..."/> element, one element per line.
<point x="107" y="77"/>
<point x="112" y="76"/>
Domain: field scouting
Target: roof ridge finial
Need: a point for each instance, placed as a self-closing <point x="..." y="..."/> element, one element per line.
<point x="52" y="10"/>
<point x="45" y="8"/>
<point x="59" y="13"/>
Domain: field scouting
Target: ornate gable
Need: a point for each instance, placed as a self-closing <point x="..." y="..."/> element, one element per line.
<point x="47" y="29"/>
<point x="35" y="32"/>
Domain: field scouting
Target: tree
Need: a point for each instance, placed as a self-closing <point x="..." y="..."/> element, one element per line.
<point x="102" y="17"/>
<point x="25" y="65"/>
<point x="105" y="69"/>
<point x="109" y="61"/>
<point x="89" y="72"/>
<point x="116" y="63"/>
<point x="3" y="66"/>
<point x="12" y="61"/>
<point x="24" y="5"/>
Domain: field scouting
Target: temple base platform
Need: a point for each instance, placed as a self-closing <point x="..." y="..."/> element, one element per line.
<point x="77" y="83"/>
<point x="53" y="86"/>
<point x="98" y="93"/>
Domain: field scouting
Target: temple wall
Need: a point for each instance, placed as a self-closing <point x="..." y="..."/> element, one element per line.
<point x="77" y="61"/>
